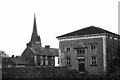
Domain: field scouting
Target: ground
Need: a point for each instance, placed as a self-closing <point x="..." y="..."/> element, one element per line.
<point x="45" y="72"/>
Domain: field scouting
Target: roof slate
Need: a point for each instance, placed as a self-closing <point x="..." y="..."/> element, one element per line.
<point x="45" y="51"/>
<point x="20" y="60"/>
<point x="6" y="61"/>
<point x="15" y="61"/>
<point x="86" y="31"/>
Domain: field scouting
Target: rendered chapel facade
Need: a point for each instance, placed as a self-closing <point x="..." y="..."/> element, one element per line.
<point x="88" y="50"/>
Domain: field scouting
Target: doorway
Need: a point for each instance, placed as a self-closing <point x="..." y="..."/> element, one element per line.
<point x="81" y="64"/>
<point x="81" y="67"/>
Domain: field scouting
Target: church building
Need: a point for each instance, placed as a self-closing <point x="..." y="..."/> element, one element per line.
<point x="89" y="50"/>
<point x="38" y="55"/>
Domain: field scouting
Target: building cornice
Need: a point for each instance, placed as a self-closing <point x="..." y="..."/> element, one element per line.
<point x="82" y="37"/>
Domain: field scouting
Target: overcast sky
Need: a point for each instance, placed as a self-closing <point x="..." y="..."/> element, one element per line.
<point x="54" y="18"/>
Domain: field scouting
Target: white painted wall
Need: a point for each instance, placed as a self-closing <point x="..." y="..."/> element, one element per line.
<point x="56" y="61"/>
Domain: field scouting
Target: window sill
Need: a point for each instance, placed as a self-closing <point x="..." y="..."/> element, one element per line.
<point x="93" y="65"/>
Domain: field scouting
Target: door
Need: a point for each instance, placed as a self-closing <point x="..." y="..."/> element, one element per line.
<point x="81" y="67"/>
<point x="81" y="64"/>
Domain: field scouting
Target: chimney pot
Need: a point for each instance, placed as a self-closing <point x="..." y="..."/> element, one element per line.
<point x="47" y="46"/>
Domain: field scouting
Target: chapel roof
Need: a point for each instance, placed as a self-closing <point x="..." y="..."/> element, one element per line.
<point x="45" y="51"/>
<point x="87" y="31"/>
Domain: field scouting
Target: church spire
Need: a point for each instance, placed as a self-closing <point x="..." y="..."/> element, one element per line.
<point x="34" y="37"/>
<point x="35" y="26"/>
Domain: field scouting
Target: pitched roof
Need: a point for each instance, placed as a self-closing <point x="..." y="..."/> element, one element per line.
<point x="6" y="61"/>
<point x="20" y="60"/>
<point x="86" y="31"/>
<point x="52" y="51"/>
<point x="15" y="60"/>
<point x="45" y="51"/>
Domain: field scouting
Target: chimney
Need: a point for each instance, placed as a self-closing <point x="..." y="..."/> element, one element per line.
<point x="47" y="46"/>
<point x="28" y="44"/>
<point x="12" y="56"/>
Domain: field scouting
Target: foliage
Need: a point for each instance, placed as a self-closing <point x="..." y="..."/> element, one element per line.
<point x="40" y="72"/>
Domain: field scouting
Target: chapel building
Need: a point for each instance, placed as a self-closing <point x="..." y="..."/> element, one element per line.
<point x="89" y="50"/>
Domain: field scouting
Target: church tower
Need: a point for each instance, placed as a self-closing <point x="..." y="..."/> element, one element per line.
<point x="35" y="39"/>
